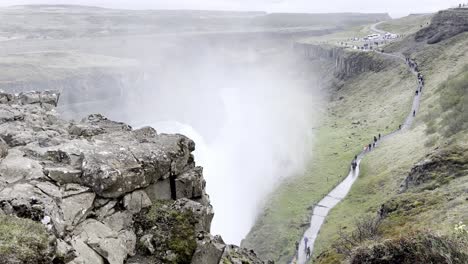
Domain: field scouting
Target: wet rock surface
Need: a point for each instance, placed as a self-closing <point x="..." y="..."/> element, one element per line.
<point x="103" y="191"/>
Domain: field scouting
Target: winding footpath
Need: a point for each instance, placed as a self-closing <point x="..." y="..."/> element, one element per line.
<point x="322" y="208"/>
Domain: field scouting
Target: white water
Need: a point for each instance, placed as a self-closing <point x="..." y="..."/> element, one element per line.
<point x="251" y="152"/>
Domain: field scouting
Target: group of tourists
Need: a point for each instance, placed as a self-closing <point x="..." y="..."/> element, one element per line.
<point x="414" y="66"/>
<point x="306" y="248"/>
<point x="368" y="147"/>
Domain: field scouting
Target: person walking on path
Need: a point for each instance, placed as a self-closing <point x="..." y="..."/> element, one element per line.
<point x="308" y="253"/>
<point x="370" y="147"/>
<point x="375" y="139"/>
<point x="297" y="249"/>
<point x="379" y="136"/>
<point x="305" y="243"/>
<point x="414" y="112"/>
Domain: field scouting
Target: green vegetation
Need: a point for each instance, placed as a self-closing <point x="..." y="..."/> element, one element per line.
<point x="171" y="230"/>
<point x="406" y="25"/>
<point x="23" y="241"/>
<point x="453" y="102"/>
<point x="438" y="201"/>
<point x="435" y="204"/>
<point x="421" y="247"/>
<point x="362" y="107"/>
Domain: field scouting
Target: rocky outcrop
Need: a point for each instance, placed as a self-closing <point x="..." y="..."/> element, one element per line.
<point x="444" y="25"/>
<point x="348" y="63"/>
<point x="105" y="192"/>
<point x="437" y="169"/>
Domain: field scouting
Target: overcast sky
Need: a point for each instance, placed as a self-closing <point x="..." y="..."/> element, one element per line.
<point x="394" y="7"/>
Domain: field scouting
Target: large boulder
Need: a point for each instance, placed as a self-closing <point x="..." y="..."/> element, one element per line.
<point x="209" y="249"/>
<point x="15" y="167"/>
<point x="102" y="240"/>
<point x="202" y="214"/>
<point x="136" y="201"/>
<point x="190" y="184"/>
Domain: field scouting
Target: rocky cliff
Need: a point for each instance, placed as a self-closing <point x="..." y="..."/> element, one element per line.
<point x="347" y="62"/>
<point x="444" y="25"/>
<point x="98" y="191"/>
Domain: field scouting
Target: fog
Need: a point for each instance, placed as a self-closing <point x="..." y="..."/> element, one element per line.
<point x="396" y="8"/>
<point x="251" y="114"/>
<point x="246" y="100"/>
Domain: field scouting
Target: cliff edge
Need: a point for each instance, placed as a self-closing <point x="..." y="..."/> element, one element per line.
<point x="98" y="191"/>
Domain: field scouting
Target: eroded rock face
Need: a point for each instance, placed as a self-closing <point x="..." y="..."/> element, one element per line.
<point x="444" y="25"/>
<point x="437" y="169"/>
<point x="209" y="249"/>
<point x="95" y="186"/>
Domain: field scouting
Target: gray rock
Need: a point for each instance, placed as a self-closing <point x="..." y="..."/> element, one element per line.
<point x="160" y="190"/>
<point x="129" y="238"/>
<point x="203" y="214"/>
<point x="119" y="221"/>
<point x="45" y="97"/>
<point x="87" y="181"/>
<point x="209" y="249"/>
<point x="97" y="120"/>
<point x="27" y="201"/>
<point x="145" y="134"/>
<point x="64" y="251"/>
<point x="50" y="189"/>
<point x="76" y="207"/>
<point x="63" y="175"/>
<point x="85" y="254"/>
<point x="118" y="164"/>
<point x="73" y="189"/>
<point x="83" y="130"/>
<point x="136" y="201"/>
<point x="29" y="98"/>
<point x="15" y="167"/>
<point x="3" y="149"/>
<point x="146" y="241"/>
<point x="106" y="210"/>
<point x="236" y="255"/>
<point x="103" y="240"/>
<point x="190" y="184"/>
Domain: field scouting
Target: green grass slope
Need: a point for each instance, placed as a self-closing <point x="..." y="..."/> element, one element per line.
<point x="359" y="109"/>
<point x="438" y="201"/>
<point x="406" y="25"/>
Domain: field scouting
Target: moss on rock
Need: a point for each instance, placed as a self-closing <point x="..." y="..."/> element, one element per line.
<point x="415" y="248"/>
<point x="23" y="241"/>
<point x="172" y="233"/>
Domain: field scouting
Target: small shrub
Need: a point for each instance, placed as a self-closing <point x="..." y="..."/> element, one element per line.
<point x="415" y="248"/>
<point x="366" y="229"/>
<point x="23" y="241"/>
<point x="172" y="230"/>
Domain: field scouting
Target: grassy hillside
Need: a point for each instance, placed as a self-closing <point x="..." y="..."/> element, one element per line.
<point x="406" y="25"/>
<point x="439" y="201"/>
<point x="359" y="109"/>
<point x="379" y="102"/>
